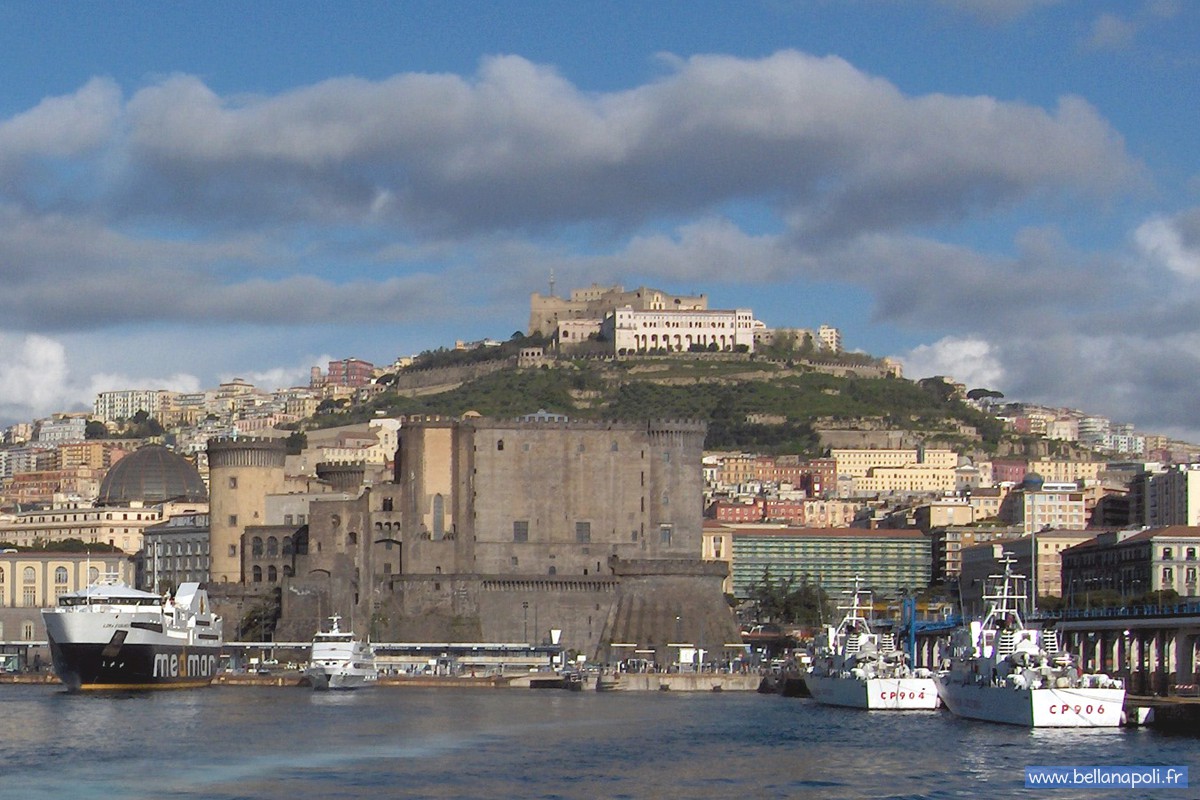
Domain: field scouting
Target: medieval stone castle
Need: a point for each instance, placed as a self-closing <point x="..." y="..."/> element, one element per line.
<point x="487" y="531"/>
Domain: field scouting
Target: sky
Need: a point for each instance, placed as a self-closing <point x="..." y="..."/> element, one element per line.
<point x="1006" y="192"/>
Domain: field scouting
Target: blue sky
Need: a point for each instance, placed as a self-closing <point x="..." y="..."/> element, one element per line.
<point x="1004" y="191"/>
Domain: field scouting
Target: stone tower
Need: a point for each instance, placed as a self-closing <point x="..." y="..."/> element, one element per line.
<point x="242" y="472"/>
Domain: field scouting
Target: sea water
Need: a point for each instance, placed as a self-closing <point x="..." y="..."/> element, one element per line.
<point x="242" y="742"/>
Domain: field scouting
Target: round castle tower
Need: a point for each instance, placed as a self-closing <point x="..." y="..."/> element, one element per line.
<point x="241" y="473"/>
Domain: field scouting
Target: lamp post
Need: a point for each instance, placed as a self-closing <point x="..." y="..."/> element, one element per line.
<point x="525" y="614"/>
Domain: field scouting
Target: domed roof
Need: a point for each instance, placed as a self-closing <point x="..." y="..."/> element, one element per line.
<point x="1033" y="482"/>
<point x="152" y="474"/>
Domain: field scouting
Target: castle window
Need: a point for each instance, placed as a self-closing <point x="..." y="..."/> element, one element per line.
<point x="352" y="538"/>
<point x="233" y="520"/>
<point x="272" y="574"/>
<point x="257" y="574"/>
<point x="256" y="547"/>
<point x="499" y="444"/>
<point x="553" y="570"/>
<point x="521" y="530"/>
<point x="664" y="534"/>
<point x="272" y="546"/>
<point x="387" y="504"/>
<point x="232" y="481"/>
<point x="583" y="532"/>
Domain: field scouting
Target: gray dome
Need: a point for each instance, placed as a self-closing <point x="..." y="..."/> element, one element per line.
<point x="152" y="474"/>
<point x="1033" y="482"/>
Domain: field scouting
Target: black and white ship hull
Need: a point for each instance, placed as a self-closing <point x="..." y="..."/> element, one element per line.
<point x="113" y="637"/>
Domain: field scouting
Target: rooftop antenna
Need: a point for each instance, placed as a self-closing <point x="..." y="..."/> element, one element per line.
<point x="552" y="283"/>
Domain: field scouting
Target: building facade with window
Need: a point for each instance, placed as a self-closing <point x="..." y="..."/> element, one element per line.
<point x="31" y="580"/>
<point x="887" y="561"/>
<point x="1135" y="562"/>
<point x="176" y="551"/>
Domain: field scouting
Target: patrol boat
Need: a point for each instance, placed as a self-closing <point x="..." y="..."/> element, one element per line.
<point x="112" y="636"/>
<point x="1002" y="671"/>
<point x="857" y="667"/>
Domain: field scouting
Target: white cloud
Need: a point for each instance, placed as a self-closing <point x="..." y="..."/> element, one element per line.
<point x="1162" y="241"/>
<point x="36" y="379"/>
<point x="968" y="361"/>
<point x="283" y="377"/>
<point x="33" y="374"/>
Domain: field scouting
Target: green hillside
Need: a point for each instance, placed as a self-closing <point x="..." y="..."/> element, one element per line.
<point x="768" y="406"/>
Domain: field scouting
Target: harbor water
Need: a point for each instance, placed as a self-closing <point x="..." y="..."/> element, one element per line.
<point x="254" y="742"/>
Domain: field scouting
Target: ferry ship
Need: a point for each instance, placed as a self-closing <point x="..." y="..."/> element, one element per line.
<point x="1002" y="671"/>
<point x="339" y="661"/>
<point x="112" y="636"/>
<point x="856" y="667"/>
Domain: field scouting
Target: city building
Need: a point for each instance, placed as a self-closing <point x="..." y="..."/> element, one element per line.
<point x="126" y="403"/>
<point x="634" y="331"/>
<point x="1133" y="563"/>
<point x="856" y="463"/>
<point x="174" y="551"/>
<point x="980" y="562"/>
<point x="31" y="580"/>
<point x="947" y="544"/>
<point x="596" y="302"/>
<point x="887" y="561"/>
<point x="1171" y="497"/>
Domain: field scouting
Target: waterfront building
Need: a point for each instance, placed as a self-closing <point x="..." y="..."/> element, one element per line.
<point x="888" y="561"/>
<point x="1134" y="562"/>
<point x="31" y="580"/>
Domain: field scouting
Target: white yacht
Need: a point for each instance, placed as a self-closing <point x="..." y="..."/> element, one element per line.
<point x="857" y="667"/>
<point x="1001" y="671"/>
<point x="339" y="661"/>
<point x="112" y="636"/>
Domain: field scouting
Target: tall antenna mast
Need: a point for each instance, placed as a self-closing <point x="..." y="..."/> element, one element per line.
<point x="552" y="283"/>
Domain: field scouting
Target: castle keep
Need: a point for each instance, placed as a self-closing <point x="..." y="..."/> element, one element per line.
<point x="501" y="530"/>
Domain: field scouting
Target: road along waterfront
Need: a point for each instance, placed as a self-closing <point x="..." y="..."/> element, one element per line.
<point x="269" y="742"/>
